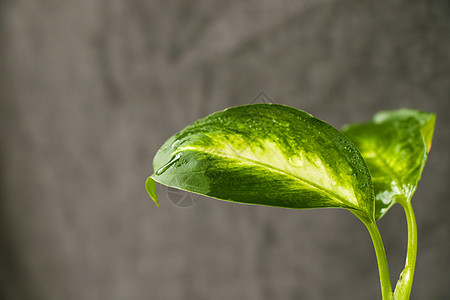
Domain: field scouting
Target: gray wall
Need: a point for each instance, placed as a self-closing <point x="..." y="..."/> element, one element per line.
<point x="90" y="89"/>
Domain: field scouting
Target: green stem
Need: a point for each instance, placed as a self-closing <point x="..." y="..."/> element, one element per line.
<point x="404" y="283"/>
<point x="385" y="280"/>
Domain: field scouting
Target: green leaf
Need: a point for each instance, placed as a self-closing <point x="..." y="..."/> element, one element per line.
<point x="426" y="121"/>
<point x="150" y="185"/>
<point x="394" y="146"/>
<point x="267" y="154"/>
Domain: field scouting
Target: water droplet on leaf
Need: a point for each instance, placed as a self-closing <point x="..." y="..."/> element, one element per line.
<point x="173" y="160"/>
<point x="296" y="160"/>
<point x="175" y="143"/>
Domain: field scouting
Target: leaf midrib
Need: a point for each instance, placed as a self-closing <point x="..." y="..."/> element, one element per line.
<point x="307" y="182"/>
<point x="384" y="162"/>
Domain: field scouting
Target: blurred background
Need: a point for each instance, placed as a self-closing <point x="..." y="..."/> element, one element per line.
<point x="90" y="89"/>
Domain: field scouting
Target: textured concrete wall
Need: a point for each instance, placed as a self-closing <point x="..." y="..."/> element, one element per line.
<point x="90" y="89"/>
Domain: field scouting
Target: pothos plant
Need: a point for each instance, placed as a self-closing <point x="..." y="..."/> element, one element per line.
<point x="276" y="155"/>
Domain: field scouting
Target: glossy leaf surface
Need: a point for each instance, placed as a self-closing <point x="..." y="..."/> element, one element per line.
<point x="426" y="121"/>
<point x="266" y="154"/>
<point x="394" y="146"/>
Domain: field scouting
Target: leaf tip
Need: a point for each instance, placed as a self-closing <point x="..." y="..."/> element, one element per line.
<point x="150" y="185"/>
<point x="428" y="130"/>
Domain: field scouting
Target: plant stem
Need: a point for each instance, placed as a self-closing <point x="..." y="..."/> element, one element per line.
<point x="385" y="280"/>
<point x="404" y="283"/>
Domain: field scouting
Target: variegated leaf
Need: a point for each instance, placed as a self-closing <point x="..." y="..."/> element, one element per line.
<point x="266" y="154"/>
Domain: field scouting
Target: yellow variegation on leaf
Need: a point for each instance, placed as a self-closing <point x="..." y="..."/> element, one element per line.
<point x="266" y="154"/>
